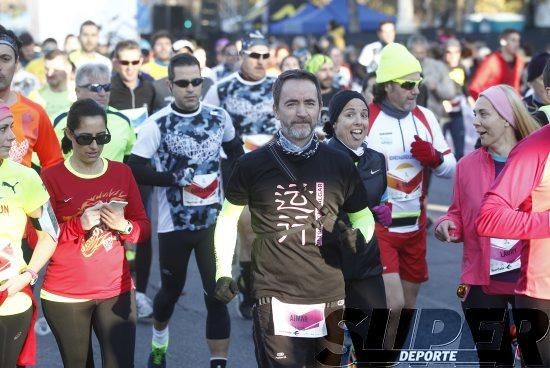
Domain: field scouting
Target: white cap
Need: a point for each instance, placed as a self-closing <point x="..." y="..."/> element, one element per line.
<point x="180" y="44"/>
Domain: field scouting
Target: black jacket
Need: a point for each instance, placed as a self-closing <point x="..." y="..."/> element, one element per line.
<point x="372" y="170"/>
<point x="123" y="98"/>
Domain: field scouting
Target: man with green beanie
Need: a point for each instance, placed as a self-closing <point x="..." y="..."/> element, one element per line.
<point x="411" y="139"/>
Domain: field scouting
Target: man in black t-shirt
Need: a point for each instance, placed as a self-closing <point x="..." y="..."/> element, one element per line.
<point x="297" y="279"/>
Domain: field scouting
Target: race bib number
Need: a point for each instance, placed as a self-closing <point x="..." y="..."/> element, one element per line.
<point x="505" y="255"/>
<point x="202" y="191"/>
<point x="298" y="320"/>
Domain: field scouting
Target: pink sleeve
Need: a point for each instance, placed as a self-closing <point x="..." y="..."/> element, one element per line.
<point x="454" y="213"/>
<point x="502" y="212"/>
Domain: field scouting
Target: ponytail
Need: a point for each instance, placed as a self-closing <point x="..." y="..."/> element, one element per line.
<point x="66" y="144"/>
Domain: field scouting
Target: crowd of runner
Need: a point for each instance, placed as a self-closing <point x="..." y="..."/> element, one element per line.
<point x="312" y="159"/>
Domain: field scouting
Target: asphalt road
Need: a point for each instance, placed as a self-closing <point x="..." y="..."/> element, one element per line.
<point x="187" y="328"/>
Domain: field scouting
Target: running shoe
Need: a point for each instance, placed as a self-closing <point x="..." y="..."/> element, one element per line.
<point x="157" y="358"/>
<point x="144" y="306"/>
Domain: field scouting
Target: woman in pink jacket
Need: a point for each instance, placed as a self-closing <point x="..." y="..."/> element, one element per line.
<point x="490" y="266"/>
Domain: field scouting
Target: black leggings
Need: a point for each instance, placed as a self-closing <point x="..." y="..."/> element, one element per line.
<point x="113" y="321"/>
<point x="537" y="313"/>
<point x="144" y="252"/>
<point x="13" y="332"/>
<point x="362" y="296"/>
<point x="493" y="340"/>
<point x="174" y="252"/>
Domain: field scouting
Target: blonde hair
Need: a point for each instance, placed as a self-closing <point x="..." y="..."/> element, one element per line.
<point x="525" y="123"/>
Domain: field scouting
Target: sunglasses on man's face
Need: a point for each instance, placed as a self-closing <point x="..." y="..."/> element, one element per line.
<point x="96" y="87"/>
<point x="408" y="84"/>
<point x="256" y="55"/>
<point x="85" y="139"/>
<point x="128" y="62"/>
<point x="184" y="83"/>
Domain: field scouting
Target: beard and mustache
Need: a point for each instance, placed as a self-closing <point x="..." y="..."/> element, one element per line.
<point x="298" y="129"/>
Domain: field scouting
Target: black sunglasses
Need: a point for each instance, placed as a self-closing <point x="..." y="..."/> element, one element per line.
<point x="86" y="139"/>
<point x="183" y="83"/>
<point x="96" y="87"/>
<point x="408" y="84"/>
<point x="256" y="55"/>
<point x="128" y="62"/>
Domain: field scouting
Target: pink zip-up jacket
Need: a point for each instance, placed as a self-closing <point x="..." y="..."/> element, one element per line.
<point x="475" y="173"/>
<point x="517" y="207"/>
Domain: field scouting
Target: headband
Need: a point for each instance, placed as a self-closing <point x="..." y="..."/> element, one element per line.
<point x="8" y="41"/>
<point x="501" y="103"/>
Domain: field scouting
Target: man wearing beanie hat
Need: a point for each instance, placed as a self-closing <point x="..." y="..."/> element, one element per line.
<point x="537" y="98"/>
<point x="247" y="96"/>
<point x="411" y="139"/>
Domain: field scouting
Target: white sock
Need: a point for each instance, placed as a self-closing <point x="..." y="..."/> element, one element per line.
<point x="160" y="338"/>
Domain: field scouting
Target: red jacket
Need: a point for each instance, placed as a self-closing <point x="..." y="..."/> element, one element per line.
<point x="495" y="70"/>
<point x="474" y="175"/>
<point x="518" y="207"/>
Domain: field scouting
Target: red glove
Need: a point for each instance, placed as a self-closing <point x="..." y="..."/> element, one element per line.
<point x="426" y="153"/>
<point x="3" y="296"/>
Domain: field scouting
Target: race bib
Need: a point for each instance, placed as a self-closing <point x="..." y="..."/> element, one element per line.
<point x="405" y="182"/>
<point x="254" y="141"/>
<point x="202" y="191"/>
<point x="298" y="320"/>
<point x="505" y="255"/>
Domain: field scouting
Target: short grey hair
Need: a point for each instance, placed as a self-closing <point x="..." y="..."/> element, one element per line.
<point x="417" y="39"/>
<point x="91" y="71"/>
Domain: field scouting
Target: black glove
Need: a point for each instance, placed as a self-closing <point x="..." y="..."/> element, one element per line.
<point x="226" y="289"/>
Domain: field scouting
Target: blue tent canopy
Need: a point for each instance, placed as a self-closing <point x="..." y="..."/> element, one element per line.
<point x="314" y="20"/>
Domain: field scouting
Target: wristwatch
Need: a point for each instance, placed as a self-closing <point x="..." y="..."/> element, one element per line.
<point x="128" y="229"/>
<point x="34" y="275"/>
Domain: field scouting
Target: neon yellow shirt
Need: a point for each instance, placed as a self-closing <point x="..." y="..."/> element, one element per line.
<point x="123" y="136"/>
<point x="21" y="193"/>
<point x="53" y="102"/>
<point x="155" y="70"/>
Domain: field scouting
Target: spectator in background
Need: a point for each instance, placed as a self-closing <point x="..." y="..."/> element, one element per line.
<point x="206" y="72"/>
<point x="71" y="44"/>
<point x="501" y="67"/>
<point x="28" y="49"/>
<point x="162" y="50"/>
<point x="342" y="72"/>
<point x="370" y="55"/>
<point x="31" y="125"/>
<point x="543" y="113"/>
<point x="229" y="61"/>
<point x="337" y="33"/>
<point x="436" y="78"/>
<point x="131" y="88"/>
<point x="89" y="42"/>
<point x="322" y="66"/>
<point x="220" y="44"/>
<point x="278" y="53"/>
<point x="289" y="63"/>
<point x="300" y="50"/>
<point x="94" y="81"/>
<point x="537" y="96"/>
<point x="358" y="71"/>
<point x="454" y="106"/>
<point x="36" y="66"/>
<point x="367" y="89"/>
<point x="56" y="96"/>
